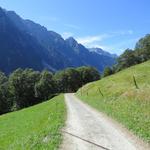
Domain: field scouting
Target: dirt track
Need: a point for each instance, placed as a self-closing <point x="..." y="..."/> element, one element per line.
<point x="87" y="129"/>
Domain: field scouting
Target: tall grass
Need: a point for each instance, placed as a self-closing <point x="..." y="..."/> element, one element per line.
<point x="122" y="100"/>
<point x="36" y="128"/>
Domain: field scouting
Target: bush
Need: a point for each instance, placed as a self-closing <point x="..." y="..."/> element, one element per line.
<point x="107" y="71"/>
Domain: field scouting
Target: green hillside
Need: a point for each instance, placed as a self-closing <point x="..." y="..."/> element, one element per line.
<point x="36" y="127"/>
<point x="119" y="98"/>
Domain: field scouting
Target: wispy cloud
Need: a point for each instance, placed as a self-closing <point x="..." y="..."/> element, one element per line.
<point x="67" y="34"/>
<point x="92" y="39"/>
<point x="89" y="40"/>
<point x="118" y="46"/>
<point x="101" y="40"/>
<point x="72" y="26"/>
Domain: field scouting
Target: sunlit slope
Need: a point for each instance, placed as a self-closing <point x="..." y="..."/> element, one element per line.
<point x="37" y="127"/>
<point x="119" y="98"/>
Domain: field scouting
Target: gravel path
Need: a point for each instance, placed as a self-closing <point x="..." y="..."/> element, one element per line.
<point x="87" y="129"/>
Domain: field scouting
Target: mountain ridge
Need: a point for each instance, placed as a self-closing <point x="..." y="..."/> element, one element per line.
<point x="53" y="51"/>
<point x="102" y="52"/>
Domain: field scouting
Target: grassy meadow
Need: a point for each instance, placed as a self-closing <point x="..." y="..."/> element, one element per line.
<point x="118" y="97"/>
<point x="36" y="128"/>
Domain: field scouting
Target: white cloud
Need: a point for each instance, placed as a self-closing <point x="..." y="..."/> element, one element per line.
<point x="104" y="47"/>
<point x="67" y="34"/>
<point x="116" y="47"/>
<point x="88" y="40"/>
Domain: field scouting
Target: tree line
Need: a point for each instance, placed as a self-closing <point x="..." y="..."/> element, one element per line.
<point x="139" y="54"/>
<point x="23" y="88"/>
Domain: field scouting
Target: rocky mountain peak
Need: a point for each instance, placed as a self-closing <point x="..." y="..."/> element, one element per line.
<point x="71" y="42"/>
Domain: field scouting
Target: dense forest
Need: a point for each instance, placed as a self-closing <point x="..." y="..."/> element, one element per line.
<point x="24" y="88"/>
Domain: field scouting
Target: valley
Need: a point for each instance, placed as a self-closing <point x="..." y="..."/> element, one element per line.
<point x="74" y="75"/>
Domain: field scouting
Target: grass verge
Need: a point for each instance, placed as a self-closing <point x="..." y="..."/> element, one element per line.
<point x="36" y="128"/>
<point x="118" y="97"/>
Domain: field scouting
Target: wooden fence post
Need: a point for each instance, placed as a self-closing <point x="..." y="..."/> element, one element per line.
<point x="135" y="83"/>
<point x="100" y="91"/>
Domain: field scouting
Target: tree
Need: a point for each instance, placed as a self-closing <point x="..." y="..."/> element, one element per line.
<point x="68" y="80"/>
<point x="45" y="87"/>
<point x="127" y="59"/>
<point x="142" y="48"/>
<point x="107" y="71"/>
<point x="61" y="81"/>
<point x="3" y="78"/>
<point x="5" y="103"/>
<point x="73" y="79"/>
<point x="140" y="54"/>
<point x="88" y="74"/>
<point x="22" y="83"/>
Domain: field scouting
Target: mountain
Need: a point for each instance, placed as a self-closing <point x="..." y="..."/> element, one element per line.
<point x="17" y="49"/>
<point x="24" y="43"/>
<point x="90" y="58"/>
<point x="102" y="52"/>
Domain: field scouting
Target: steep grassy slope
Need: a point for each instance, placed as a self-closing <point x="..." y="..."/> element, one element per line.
<point x="118" y="97"/>
<point x="37" y="127"/>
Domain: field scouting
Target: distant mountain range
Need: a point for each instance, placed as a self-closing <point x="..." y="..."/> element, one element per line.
<point x="24" y="43"/>
<point x="102" y="52"/>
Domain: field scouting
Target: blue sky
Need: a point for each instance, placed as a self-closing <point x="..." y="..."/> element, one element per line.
<point x="113" y="25"/>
